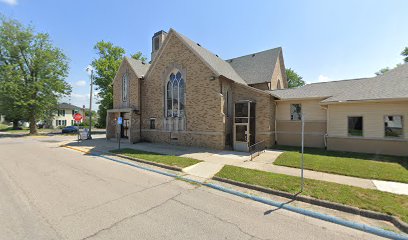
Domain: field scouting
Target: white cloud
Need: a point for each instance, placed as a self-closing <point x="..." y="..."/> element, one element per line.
<point x="77" y="96"/>
<point x="80" y="83"/>
<point x="9" y="2"/>
<point x="323" y="78"/>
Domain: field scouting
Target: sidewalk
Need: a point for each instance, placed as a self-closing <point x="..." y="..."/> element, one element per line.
<point x="214" y="160"/>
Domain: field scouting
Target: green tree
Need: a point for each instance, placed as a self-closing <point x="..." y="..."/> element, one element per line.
<point x="404" y="53"/>
<point x="106" y="65"/>
<point x="294" y="79"/>
<point x="32" y="73"/>
<point x="382" y="71"/>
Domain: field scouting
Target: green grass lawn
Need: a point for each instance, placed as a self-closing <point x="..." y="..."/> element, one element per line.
<point x="371" y="166"/>
<point x="369" y="199"/>
<point x="158" y="158"/>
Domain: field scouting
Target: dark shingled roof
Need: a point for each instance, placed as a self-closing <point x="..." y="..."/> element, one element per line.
<point x="218" y="65"/>
<point x="138" y="66"/>
<point x="391" y="85"/>
<point x="257" y="67"/>
<point x="67" y="106"/>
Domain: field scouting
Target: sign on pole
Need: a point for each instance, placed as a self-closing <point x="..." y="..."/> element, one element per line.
<point x="302" y="159"/>
<point x="119" y="130"/>
<point x="77" y="117"/>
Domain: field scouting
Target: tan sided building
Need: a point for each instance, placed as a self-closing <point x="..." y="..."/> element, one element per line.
<point x="190" y="96"/>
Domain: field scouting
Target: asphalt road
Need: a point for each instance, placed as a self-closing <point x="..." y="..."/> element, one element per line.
<point x="49" y="192"/>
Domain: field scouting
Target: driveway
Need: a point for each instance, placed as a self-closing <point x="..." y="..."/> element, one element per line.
<point x="49" y="192"/>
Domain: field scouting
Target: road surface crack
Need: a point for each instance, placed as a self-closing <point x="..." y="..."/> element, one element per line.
<point x="130" y="217"/>
<point x="116" y="199"/>
<point x="218" y="218"/>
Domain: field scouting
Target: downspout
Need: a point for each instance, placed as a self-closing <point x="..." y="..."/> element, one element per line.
<point x="140" y="108"/>
<point x="327" y="127"/>
<point x="276" y="130"/>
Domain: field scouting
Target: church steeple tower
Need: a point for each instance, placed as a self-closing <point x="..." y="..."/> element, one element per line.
<point x="157" y="41"/>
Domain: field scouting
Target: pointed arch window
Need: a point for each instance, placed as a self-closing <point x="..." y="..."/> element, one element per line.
<point x="175" y="90"/>
<point x="125" y="82"/>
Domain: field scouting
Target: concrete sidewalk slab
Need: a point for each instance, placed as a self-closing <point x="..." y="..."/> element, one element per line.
<point x="393" y="187"/>
<point x="203" y="169"/>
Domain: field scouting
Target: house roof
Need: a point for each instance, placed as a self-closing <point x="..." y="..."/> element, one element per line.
<point x="257" y="67"/>
<point x="391" y="85"/>
<point x="139" y="67"/>
<point x="218" y="65"/>
<point x="67" y="106"/>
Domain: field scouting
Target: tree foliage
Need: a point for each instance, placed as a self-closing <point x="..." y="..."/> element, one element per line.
<point x="32" y="73"/>
<point x="404" y="53"/>
<point x="382" y="71"/>
<point x="106" y="65"/>
<point x="294" y="79"/>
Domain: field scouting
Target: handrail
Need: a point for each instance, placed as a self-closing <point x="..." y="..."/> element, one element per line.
<point x="256" y="149"/>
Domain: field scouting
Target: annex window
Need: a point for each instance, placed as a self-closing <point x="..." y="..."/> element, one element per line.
<point x="175" y="95"/>
<point x="355" y="126"/>
<point x="295" y="112"/>
<point x="125" y="82"/>
<point x="152" y="123"/>
<point x="393" y="126"/>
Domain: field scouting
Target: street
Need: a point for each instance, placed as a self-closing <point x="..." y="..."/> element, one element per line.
<point x="50" y="192"/>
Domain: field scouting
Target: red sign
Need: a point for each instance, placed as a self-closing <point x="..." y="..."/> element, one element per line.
<point x="77" y="117"/>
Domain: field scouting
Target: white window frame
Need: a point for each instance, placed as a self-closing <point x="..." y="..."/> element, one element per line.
<point x="402" y="125"/>
<point x="175" y="71"/>
<point x="301" y="111"/>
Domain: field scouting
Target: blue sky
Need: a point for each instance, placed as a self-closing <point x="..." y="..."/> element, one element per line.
<point x="321" y="40"/>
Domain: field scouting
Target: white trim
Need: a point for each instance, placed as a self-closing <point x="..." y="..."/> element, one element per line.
<point x="369" y="138"/>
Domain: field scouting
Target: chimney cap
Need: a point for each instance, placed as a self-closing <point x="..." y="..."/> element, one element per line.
<point x="159" y="32"/>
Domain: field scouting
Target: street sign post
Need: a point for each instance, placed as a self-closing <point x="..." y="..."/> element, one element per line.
<point x="302" y="160"/>
<point x="120" y="121"/>
<point x="77" y="117"/>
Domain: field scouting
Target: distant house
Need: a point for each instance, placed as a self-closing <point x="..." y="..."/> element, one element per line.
<point x="65" y="115"/>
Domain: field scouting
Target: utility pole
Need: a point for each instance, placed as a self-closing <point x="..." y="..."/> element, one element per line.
<point x="90" y="70"/>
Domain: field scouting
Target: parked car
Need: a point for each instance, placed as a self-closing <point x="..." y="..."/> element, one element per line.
<point x="70" y="129"/>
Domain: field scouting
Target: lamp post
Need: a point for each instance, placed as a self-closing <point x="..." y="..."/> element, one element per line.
<point x="90" y="71"/>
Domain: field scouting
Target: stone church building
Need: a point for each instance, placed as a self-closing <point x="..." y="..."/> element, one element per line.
<point x="190" y="96"/>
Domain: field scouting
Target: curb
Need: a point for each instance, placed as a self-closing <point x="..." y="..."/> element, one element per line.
<point x="336" y="206"/>
<point x="174" y="168"/>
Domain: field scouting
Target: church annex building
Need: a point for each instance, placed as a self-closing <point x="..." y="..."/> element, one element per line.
<point x="190" y="96"/>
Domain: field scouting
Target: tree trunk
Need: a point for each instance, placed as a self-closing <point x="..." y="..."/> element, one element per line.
<point x="33" y="125"/>
<point x="15" y="124"/>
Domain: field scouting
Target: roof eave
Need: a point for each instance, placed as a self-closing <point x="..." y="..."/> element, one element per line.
<point x="365" y="100"/>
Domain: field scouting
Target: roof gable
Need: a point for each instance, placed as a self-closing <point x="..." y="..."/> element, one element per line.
<point x="139" y="67"/>
<point x="67" y="106"/>
<point x="257" y="67"/>
<point x="216" y="64"/>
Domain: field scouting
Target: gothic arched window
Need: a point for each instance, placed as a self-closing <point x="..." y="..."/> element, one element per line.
<point x="175" y="95"/>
